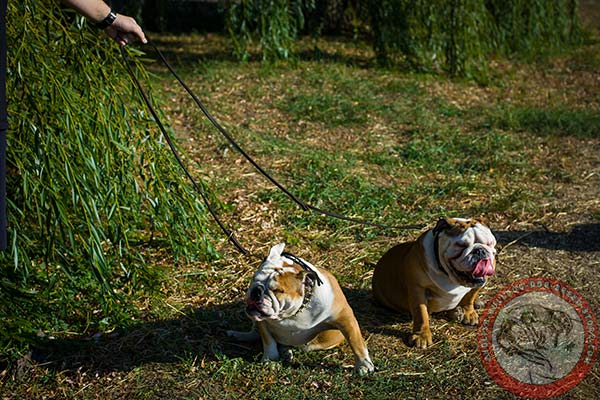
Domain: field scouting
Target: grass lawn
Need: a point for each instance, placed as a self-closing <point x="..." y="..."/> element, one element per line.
<point x="388" y="146"/>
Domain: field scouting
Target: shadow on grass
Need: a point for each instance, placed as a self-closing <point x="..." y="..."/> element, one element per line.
<point x="180" y="53"/>
<point x="375" y="318"/>
<point x="199" y="333"/>
<point x="583" y="237"/>
<point x="172" y="50"/>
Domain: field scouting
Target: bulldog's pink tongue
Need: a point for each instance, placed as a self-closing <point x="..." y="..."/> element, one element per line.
<point x="484" y="268"/>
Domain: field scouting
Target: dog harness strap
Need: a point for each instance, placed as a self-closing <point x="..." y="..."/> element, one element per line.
<point x="303" y="264"/>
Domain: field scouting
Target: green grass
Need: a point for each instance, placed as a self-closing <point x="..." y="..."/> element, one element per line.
<point x="549" y="122"/>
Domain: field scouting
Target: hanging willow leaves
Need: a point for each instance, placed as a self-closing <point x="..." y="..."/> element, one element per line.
<point x="457" y="36"/>
<point x="90" y="181"/>
<point x="452" y="36"/>
<point x="274" y="23"/>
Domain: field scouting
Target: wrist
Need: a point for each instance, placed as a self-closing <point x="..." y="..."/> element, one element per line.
<point x="107" y="21"/>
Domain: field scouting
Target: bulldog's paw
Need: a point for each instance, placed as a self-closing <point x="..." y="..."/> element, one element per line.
<point x="471" y="317"/>
<point x="364" y="367"/>
<point x="286" y="355"/>
<point x="422" y="339"/>
<point x="270" y="355"/>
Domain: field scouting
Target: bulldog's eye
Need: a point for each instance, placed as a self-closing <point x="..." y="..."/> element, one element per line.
<point x="276" y="291"/>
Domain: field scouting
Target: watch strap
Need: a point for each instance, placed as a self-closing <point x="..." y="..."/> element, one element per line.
<point x="107" y="21"/>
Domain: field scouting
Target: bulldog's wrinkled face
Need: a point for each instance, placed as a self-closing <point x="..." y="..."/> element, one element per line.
<point x="277" y="288"/>
<point x="466" y="250"/>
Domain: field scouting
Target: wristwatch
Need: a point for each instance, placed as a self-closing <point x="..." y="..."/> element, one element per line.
<point x="107" y="21"/>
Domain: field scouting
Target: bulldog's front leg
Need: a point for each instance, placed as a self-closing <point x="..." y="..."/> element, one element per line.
<point x="270" y="352"/>
<point x="421" y="335"/>
<point x="249" y="336"/>
<point x="470" y="316"/>
<point x="349" y="327"/>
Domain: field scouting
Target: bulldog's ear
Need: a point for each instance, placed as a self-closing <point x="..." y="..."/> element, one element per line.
<point x="310" y="277"/>
<point x="442" y="225"/>
<point x="276" y="251"/>
<point x="481" y="219"/>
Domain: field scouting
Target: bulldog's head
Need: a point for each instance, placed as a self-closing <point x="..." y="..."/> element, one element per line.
<point x="278" y="287"/>
<point x="465" y="250"/>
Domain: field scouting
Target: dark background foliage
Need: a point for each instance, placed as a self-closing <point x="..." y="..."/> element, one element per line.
<point x="451" y="36"/>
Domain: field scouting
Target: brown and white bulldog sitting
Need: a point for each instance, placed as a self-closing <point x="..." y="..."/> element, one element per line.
<point x="295" y="304"/>
<point x="444" y="269"/>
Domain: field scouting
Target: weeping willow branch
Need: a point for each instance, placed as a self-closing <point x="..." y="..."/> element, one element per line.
<point x="91" y="184"/>
<point x="455" y="37"/>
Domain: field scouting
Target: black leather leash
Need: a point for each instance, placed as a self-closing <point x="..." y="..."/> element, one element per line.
<point x="304" y="266"/>
<point x="305" y="206"/>
<point x="197" y="187"/>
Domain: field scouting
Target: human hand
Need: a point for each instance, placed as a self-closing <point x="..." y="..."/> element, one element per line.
<point x="125" y="30"/>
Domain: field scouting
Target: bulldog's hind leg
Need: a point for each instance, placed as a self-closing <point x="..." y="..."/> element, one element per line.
<point x="325" y="340"/>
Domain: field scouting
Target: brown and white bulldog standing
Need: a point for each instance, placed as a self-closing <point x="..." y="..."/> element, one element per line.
<point x="444" y="269"/>
<point x="295" y="304"/>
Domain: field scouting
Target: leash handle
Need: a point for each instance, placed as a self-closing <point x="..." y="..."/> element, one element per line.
<point x="305" y="206"/>
<point x="167" y="137"/>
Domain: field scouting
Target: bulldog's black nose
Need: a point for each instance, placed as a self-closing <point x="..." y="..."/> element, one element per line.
<point x="480" y="253"/>
<point x="256" y="293"/>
